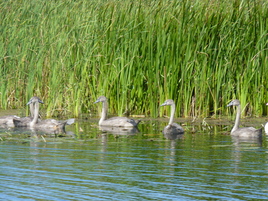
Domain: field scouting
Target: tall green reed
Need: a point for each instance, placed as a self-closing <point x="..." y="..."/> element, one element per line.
<point x="202" y="54"/>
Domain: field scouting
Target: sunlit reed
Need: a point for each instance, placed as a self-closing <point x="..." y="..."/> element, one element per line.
<point x="200" y="53"/>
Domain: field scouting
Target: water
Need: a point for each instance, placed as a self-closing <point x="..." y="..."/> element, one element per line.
<point x="204" y="164"/>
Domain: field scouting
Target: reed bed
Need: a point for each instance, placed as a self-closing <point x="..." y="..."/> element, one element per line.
<point x="200" y="53"/>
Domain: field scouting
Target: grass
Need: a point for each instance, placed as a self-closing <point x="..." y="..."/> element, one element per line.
<point x="202" y="54"/>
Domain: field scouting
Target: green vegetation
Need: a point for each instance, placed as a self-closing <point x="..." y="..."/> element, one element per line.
<point x="201" y="53"/>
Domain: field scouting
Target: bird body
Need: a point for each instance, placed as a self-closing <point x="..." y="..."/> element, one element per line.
<point x="52" y="125"/>
<point x="45" y="125"/>
<point x="25" y="121"/>
<point x="7" y="121"/>
<point x="245" y="131"/>
<point x="172" y="128"/>
<point x="10" y="120"/>
<point x="114" y="121"/>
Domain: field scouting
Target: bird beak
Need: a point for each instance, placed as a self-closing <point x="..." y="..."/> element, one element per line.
<point x="163" y="104"/>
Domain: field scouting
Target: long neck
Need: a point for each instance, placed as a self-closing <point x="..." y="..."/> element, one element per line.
<point x="35" y="115"/>
<point x="237" y="119"/>
<point x="31" y="110"/>
<point x="103" y="112"/>
<point x="173" y="107"/>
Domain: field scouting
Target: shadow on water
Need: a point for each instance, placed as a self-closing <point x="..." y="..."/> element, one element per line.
<point x="93" y="163"/>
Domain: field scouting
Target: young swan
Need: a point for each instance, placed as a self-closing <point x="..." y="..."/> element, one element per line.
<point x="246" y="131"/>
<point x="25" y="121"/>
<point x="50" y="125"/>
<point x="7" y="121"/>
<point x="11" y="121"/>
<point x="114" y="121"/>
<point x="172" y="128"/>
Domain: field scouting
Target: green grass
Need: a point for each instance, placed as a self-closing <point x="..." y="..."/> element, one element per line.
<point x="200" y="53"/>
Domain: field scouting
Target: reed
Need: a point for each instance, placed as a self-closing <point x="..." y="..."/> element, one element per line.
<point x="200" y="53"/>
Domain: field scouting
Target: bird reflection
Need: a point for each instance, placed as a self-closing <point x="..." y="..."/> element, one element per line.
<point x="238" y="141"/>
<point x="172" y="136"/>
<point x="119" y="130"/>
<point x="37" y="134"/>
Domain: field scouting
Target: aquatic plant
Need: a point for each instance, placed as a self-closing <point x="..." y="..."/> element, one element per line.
<point x="200" y="53"/>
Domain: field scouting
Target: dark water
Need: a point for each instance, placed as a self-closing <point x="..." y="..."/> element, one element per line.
<point x="203" y="164"/>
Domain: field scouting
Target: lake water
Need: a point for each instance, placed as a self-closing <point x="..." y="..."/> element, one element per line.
<point x="87" y="164"/>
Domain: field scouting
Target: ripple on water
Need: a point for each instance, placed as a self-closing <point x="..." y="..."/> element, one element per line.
<point x="197" y="167"/>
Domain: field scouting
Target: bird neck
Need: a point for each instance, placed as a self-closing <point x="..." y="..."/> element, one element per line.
<point x="31" y="110"/>
<point x="237" y="119"/>
<point x="103" y="112"/>
<point x="35" y="114"/>
<point x="173" y="108"/>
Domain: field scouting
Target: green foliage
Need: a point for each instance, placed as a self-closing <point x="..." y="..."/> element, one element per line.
<point x="200" y="53"/>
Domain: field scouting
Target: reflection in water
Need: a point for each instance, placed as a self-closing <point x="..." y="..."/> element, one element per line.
<point x="238" y="141"/>
<point x="119" y="130"/>
<point x="43" y="133"/>
<point x="244" y="146"/>
<point x="172" y="136"/>
<point x="144" y="166"/>
<point x="171" y="143"/>
<point x="171" y="147"/>
<point x="103" y="143"/>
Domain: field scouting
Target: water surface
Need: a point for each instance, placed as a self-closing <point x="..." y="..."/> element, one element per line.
<point x="87" y="164"/>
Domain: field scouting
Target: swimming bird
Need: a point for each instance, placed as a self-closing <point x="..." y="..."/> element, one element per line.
<point x="8" y="120"/>
<point x="24" y="121"/>
<point x="245" y="131"/>
<point x="114" y="121"/>
<point x="172" y="128"/>
<point x="48" y="124"/>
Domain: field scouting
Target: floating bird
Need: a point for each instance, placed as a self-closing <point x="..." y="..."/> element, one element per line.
<point x="172" y="128"/>
<point x="8" y="120"/>
<point x="114" y="121"/>
<point x="245" y="131"/>
<point x="25" y="121"/>
<point x="44" y="125"/>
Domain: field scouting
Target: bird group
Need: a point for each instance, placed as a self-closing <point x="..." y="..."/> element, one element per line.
<point x="33" y="121"/>
<point x="172" y="129"/>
